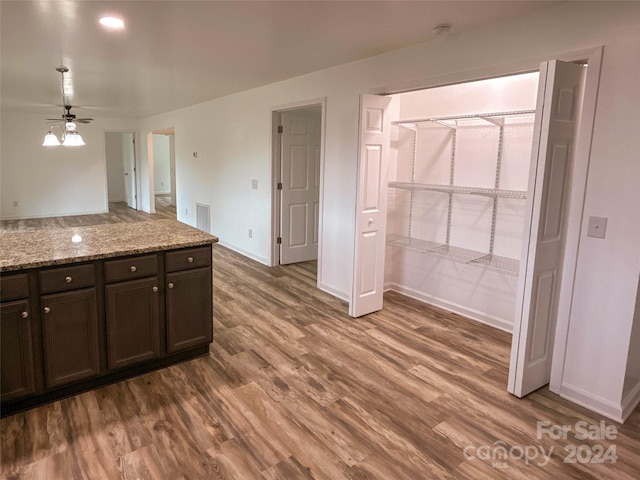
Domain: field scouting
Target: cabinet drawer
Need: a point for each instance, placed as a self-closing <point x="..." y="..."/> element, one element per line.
<point x="189" y="258"/>
<point x="67" y="278"/>
<point x="14" y="287"/>
<point x="130" y="268"/>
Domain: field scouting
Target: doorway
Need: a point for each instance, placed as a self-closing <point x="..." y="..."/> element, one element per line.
<point x="297" y="178"/>
<point x="120" y="155"/>
<point x="161" y="150"/>
<point x="555" y="199"/>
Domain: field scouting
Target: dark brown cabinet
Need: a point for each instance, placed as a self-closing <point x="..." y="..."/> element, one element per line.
<point x="71" y="338"/>
<point x="189" y="299"/>
<point x="79" y="325"/>
<point x="189" y="313"/>
<point x="17" y="350"/>
<point x="133" y="310"/>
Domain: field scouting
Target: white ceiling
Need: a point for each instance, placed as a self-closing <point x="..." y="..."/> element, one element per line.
<point x="178" y="53"/>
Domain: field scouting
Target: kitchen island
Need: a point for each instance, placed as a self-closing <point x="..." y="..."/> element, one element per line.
<point x="85" y="306"/>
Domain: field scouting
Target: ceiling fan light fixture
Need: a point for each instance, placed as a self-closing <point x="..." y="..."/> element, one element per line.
<point x="50" y="140"/>
<point x="73" y="139"/>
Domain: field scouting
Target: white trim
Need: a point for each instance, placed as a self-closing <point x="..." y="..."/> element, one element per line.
<point x="332" y="291"/>
<point x="577" y="193"/>
<point x="274" y="113"/>
<point x="630" y="401"/>
<point x="592" y="402"/>
<point x="245" y="253"/>
<point x="49" y="215"/>
<point x="456" y="308"/>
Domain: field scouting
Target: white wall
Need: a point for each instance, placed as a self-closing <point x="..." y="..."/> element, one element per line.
<point x="232" y="137"/>
<point x="161" y="163"/>
<point x="115" y="166"/>
<point x="52" y="181"/>
<point x="471" y="290"/>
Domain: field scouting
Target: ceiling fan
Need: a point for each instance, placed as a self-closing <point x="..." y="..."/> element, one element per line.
<point x="70" y="136"/>
<point x="67" y="116"/>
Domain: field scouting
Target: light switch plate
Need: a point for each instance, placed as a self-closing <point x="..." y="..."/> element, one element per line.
<point x="597" y="227"/>
<point x="254" y="184"/>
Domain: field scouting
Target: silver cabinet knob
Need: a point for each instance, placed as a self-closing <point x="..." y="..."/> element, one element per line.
<point x="24" y="314"/>
<point x="133" y="268"/>
<point x="47" y="310"/>
<point x="68" y="279"/>
<point x="190" y="259"/>
<point x="155" y="289"/>
<point x="170" y="285"/>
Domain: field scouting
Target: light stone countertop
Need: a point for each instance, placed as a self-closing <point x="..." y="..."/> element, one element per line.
<point x="53" y="246"/>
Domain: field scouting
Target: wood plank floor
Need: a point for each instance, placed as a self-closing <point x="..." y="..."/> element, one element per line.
<point x="296" y="389"/>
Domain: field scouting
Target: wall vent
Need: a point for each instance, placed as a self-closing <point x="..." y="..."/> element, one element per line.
<point x="203" y="217"/>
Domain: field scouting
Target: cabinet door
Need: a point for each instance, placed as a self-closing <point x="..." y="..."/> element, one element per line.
<point x="189" y="309"/>
<point x="16" y="350"/>
<point x="70" y="336"/>
<point x="133" y="322"/>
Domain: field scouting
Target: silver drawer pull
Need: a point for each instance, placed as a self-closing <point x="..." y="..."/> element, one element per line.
<point x="190" y="259"/>
<point x="24" y="314"/>
<point x="68" y="279"/>
<point x="155" y="289"/>
<point x="171" y="285"/>
<point x="47" y="310"/>
<point x="133" y="268"/>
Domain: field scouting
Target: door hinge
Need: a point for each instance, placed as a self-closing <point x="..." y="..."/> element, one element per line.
<point x="280" y="129"/>
<point x="279" y="240"/>
<point x="279" y="185"/>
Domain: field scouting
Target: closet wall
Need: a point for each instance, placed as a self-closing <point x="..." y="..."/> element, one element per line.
<point x="457" y="196"/>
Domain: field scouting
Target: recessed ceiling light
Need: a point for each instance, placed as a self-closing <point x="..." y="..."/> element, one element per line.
<point x="113" y="23"/>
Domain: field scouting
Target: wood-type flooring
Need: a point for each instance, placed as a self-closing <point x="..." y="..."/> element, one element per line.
<point x="296" y="389"/>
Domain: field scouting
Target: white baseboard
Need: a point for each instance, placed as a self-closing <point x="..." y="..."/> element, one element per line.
<point x="245" y="253"/>
<point x="481" y="317"/>
<point x="70" y="214"/>
<point x="630" y="401"/>
<point x="592" y="402"/>
<point x="334" y="292"/>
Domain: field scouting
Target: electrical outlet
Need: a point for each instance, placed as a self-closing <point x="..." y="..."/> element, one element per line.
<point x="250" y="233"/>
<point x="186" y="211"/>
<point x="15" y="203"/>
<point x="254" y="184"/>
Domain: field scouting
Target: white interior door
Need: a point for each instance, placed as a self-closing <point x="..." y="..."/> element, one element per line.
<point x="129" y="164"/>
<point x="371" y="205"/>
<point x="300" y="200"/>
<point x="556" y="125"/>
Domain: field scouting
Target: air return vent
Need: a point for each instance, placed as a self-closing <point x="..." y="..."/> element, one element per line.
<point x="203" y="217"/>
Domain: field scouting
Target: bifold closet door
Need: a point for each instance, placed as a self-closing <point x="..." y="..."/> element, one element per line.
<point x="557" y="118"/>
<point x="371" y="205"/>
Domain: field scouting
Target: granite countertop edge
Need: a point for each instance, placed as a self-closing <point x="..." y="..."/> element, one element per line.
<point x="50" y="247"/>
<point x="101" y="256"/>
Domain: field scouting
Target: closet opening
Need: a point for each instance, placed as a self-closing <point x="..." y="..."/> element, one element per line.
<point x="457" y="195"/>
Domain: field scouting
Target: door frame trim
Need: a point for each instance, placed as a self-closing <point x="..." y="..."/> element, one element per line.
<point x="274" y="117"/>
<point x="136" y="163"/>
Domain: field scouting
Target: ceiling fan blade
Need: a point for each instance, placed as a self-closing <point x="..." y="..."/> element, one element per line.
<point x="83" y="120"/>
<point x="54" y="119"/>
